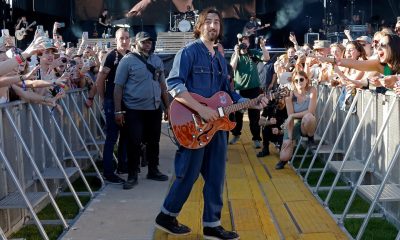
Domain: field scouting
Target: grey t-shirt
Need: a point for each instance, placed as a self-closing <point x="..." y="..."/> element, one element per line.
<point x="140" y="91"/>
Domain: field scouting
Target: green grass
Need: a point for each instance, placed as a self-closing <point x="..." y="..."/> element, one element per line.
<point x="99" y="165"/>
<point x="79" y="185"/>
<point x="339" y="199"/>
<point x="67" y="205"/>
<point x="377" y="229"/>
<point x="313" y="178"/>
<point x="317" y="164"/>
<point x="31" y="232"/>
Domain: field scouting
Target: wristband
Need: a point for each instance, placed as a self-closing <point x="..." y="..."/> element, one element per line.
<point x="23" y="82"/>
<point x="119" y="112"/>
<point x="19" y="59"/>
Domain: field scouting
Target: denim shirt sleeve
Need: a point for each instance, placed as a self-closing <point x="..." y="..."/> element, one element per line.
<point x="179" y="73"/>
<point x="121" y="75"/>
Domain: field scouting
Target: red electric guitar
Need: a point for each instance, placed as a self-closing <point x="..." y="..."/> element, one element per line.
<point x="192" y="132"/>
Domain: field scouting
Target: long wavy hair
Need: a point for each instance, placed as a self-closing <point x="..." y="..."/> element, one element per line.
<point x="357" y="45"/>
<point x="394" y="52"/>
<point x="202" y="20"/>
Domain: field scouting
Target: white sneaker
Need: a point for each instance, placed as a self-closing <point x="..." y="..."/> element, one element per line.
<point x="234" y="140"/>
<point x="257" y="144"/>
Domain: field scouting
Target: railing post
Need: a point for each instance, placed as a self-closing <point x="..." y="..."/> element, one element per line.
<point x="81" y="140"/>
<point x="36" y="169"/>
<point x="25" y="198"/>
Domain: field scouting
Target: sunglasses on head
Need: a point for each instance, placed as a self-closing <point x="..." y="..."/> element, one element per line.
<point x="297" y="80"/>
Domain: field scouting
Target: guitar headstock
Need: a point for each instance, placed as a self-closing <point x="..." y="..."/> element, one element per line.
<point x="280" y="93"/>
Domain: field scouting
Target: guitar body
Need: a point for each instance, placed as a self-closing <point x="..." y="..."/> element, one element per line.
<point x="188" y="127"/>
<point x="20" y="34"/>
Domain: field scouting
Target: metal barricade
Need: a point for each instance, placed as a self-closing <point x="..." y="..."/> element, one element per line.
<point x="36" y="144"/>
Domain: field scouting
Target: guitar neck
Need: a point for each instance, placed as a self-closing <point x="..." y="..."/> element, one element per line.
<point x="239" y="106"/>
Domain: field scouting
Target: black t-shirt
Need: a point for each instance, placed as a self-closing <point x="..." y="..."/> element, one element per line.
<point x="272" y="111"/>
<point x="112" y="61"/>
<point x="103" y="19"/>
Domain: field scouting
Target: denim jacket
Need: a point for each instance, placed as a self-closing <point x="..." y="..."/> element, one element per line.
<point x="196" y="71"/>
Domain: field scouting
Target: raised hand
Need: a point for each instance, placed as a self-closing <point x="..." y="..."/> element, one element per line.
<point x="32" y="74"/>
<point x="36" y="46"/>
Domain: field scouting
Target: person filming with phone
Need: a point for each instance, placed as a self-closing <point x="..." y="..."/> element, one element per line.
<point x="247" y="82"/>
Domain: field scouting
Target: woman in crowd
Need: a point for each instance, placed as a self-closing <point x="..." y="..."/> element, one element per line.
<point x="327" y="73"/>
<point x="301" y="121"/>
<point x="387" y="63"/>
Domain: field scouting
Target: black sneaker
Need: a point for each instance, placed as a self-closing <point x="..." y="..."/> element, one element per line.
<point x="219" y="233"/>
<point x="263" y="153"/>
<point x="114" y="179"/>
<point x="131" y="182"/>
<point x="170" y="225"/>
<point x="156" y="175"/>
<point x="280" y="165"/>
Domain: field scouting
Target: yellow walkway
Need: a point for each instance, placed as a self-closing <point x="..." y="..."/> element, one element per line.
<point x="261" y="202"/>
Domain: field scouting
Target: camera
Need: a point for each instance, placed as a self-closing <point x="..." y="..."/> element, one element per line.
<point x="157" y="74"/>
<point x="56" y="90"/>
<point x="242" y="46"/>
<point x="61" y="24"/>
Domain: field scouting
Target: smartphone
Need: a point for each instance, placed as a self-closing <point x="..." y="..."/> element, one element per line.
<point x="33" y="63"/>
<point x="85" y="35"/>
<point x="5" y="33"/>
<point x="69" y="45"/>
<point x="99" y="44"/>
<point x="61" y="24"/>
<point x="108" y="45"/>
<point x="292" y="33"/>
<point x="39" y="30"/>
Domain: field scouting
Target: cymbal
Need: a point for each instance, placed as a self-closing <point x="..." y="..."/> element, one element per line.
<point x="122" y="25"/>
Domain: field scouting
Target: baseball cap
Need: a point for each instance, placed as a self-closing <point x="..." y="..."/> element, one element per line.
<point x="364" y="39"/>
<point x="143" y="36"/>
<point x="320" y="44"/>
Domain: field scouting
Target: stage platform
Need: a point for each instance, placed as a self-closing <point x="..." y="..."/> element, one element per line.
<point x="259" y="202"/>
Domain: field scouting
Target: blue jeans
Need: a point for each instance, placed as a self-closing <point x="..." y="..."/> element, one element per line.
<point x="112" y="133"/>
<point x="210" y="162"/>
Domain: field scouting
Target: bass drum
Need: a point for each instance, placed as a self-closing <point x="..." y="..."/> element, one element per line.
<point x="184" y="25"/>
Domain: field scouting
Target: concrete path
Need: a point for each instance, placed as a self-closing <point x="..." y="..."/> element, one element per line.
<point x="117" y="214"/>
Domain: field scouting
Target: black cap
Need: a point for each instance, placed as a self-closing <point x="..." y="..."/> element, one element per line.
<point x="143" y="36"/>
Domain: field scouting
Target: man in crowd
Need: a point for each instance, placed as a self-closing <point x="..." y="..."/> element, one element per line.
<point x="139" y="90"/>
<point x="247" y="82"/>
<point x="201" y="69"/>
<point x="105" y="88"/>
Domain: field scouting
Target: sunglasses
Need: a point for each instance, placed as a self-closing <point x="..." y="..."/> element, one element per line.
<point x="297" y="80"/>
<point x="382" y="45"/>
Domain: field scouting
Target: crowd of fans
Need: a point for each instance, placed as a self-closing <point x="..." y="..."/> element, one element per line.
<point x="43" y="72"/>
<point x="367" y="62"/>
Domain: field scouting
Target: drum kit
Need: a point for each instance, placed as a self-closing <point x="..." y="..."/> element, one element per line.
<point x="183" y="22"/>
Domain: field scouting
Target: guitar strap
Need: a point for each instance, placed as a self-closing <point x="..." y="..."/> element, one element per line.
<point x="150" y="67"/>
